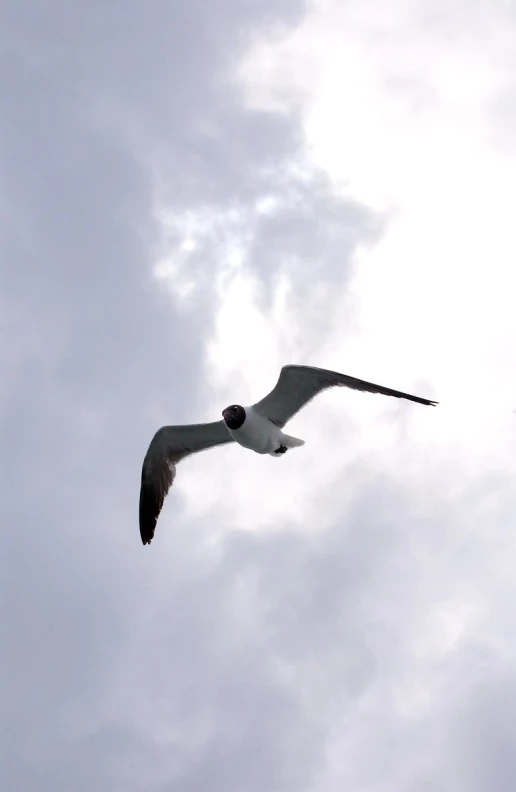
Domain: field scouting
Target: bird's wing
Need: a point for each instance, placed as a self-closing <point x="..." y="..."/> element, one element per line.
<point x="297" y="385"/>
<point x="169" y="445"/>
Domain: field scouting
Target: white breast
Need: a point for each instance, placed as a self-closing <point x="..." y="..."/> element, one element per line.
<point x="257" y="433"/>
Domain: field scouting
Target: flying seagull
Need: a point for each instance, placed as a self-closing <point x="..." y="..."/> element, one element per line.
<point x="257" y="427"/>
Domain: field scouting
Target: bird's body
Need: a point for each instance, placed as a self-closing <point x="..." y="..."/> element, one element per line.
<point x="261" y="435"/>
<point x="257" y="428"/>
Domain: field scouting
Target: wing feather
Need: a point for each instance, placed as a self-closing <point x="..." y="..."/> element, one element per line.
<point x="169" y="446"/>
<point x="297" y="385"/>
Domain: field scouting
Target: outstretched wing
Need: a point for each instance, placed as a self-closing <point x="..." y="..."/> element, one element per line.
<point x="169" y="445"/>
<point x="297" y="385"/>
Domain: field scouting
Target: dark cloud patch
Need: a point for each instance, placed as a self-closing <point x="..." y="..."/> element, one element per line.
<point x="103" y="108"/>
<point x="124" y="669"/>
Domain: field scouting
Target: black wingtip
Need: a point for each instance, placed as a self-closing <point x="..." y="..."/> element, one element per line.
<point x="148" y="512"/>
<point x="146" y="536"/>
<point x="147" y="526"/>
<point x="420" y="400"/>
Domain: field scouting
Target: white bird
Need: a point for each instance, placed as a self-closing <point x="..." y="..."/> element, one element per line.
<point x="257" y="427"/>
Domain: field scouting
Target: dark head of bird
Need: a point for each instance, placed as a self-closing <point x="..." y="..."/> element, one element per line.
<point x="234" y="416"/>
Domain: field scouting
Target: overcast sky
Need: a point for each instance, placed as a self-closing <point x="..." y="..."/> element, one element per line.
<point x="194" y="194"/>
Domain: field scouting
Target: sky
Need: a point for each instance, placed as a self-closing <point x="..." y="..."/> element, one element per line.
<point x="193" y="195"/>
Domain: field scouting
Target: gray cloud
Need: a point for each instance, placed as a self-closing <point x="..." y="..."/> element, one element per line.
<point x="124" y="672"/>
<point x="260" y="663"/>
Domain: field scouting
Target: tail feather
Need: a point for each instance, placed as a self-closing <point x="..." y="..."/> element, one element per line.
<point x="292" y="442"/>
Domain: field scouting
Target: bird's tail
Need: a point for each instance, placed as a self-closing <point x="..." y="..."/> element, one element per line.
<point x="292" y="442"/>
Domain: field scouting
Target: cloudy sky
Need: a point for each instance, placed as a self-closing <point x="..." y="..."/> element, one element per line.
<point x="194" y="194"/>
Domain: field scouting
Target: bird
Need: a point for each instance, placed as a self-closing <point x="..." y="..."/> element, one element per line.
<point x="257" y="428"/>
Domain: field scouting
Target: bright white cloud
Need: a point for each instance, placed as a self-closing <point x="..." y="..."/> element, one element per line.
<point x="399" y="117"/>
<point x="399" y="113"/>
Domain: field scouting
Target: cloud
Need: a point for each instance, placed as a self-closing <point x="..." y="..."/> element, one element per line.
<point x="182" y="218"/>
<point x="114" y="121"/>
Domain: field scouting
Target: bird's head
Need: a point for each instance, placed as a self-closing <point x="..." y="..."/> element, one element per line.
<point x="234" y="416"/>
